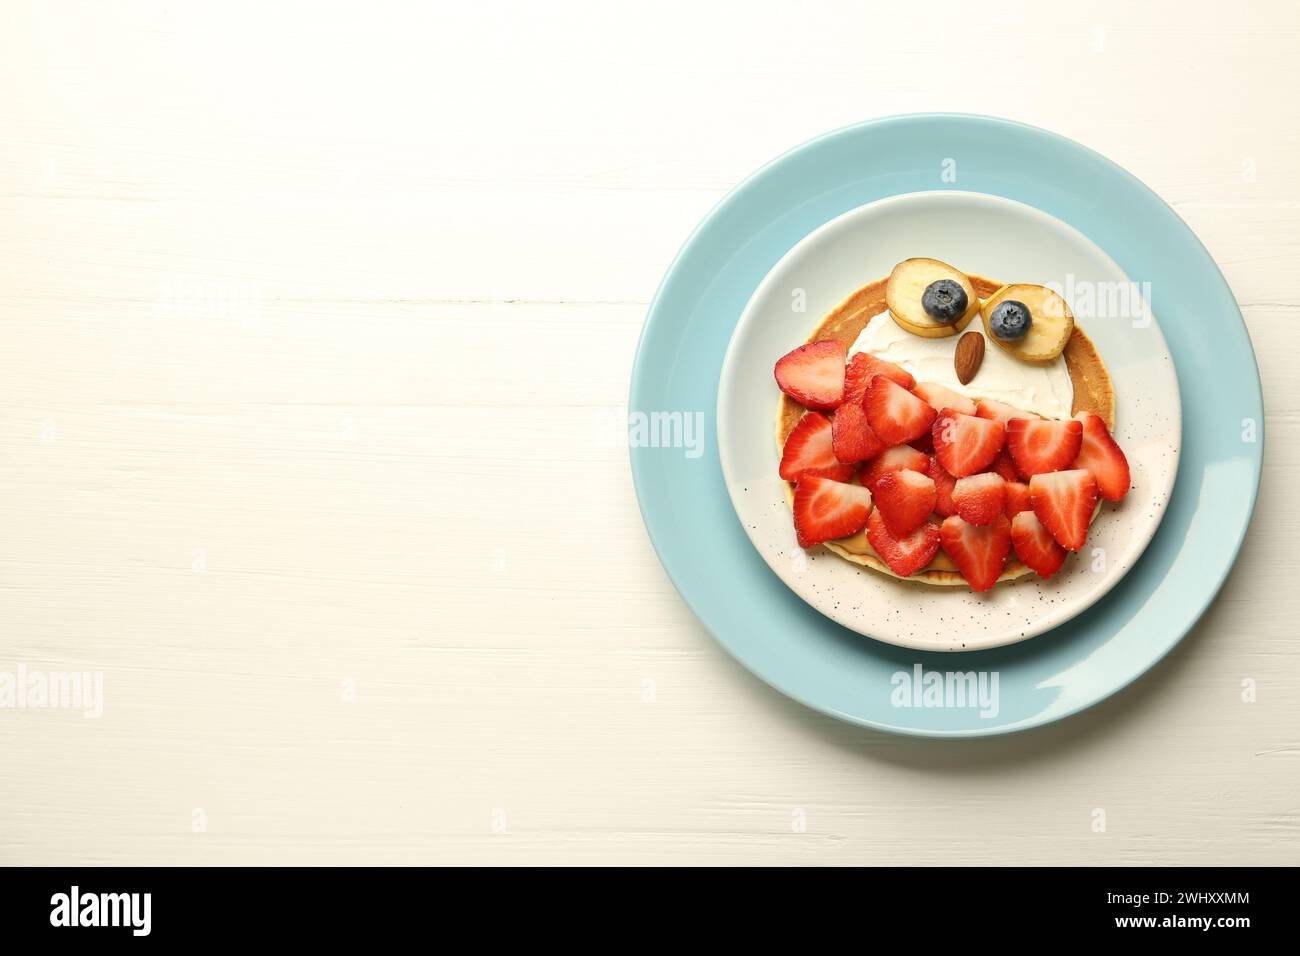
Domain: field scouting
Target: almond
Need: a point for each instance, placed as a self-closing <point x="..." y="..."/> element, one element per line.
<point x="968" y="356"/>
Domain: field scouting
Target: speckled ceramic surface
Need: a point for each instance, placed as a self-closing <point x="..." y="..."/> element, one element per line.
<point x="1008" y="241"/>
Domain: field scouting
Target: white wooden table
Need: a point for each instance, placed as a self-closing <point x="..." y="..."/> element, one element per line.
<point x="316" y="319"/>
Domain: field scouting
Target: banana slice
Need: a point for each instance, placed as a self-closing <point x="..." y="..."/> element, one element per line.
<point x="1050" y="327"/>
<point x="907" y="287"/>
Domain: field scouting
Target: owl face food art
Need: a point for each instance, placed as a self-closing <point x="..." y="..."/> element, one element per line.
<point x="948" y="430"/>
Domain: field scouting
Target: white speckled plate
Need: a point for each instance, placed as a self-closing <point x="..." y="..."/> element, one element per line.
<point x="1007" y="241"/>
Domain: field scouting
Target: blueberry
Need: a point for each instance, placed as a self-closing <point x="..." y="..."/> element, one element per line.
<point x="1009" y="320"/>
<point x="944" y="301"/>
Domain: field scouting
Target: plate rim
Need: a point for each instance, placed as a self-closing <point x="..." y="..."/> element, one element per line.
<point x="639" y="463"/>
<point x="1165" y="493"/>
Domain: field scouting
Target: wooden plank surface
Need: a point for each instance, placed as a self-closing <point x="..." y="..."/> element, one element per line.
<point x="317" y="319"/>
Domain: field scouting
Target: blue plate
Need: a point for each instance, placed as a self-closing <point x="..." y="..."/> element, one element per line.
<point x="766" y="626"/>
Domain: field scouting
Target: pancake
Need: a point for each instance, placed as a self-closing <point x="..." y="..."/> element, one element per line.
<point x="1093" y="392"/>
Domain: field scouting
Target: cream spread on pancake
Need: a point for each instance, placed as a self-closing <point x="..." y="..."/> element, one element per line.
<point x="1042" y="388"/>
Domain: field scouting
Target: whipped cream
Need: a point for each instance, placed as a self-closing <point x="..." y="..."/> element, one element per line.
<point x="1042" y="388"/>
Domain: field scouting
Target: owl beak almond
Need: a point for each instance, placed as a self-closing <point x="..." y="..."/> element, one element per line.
<point x="968" y="356"/>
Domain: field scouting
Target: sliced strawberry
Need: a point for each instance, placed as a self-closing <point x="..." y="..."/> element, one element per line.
<point x="964" y="444"/>
<point x="1004" y="466"/>
<point x="1101" y="456"/>
<point x="851" y="436"/>
<point x="903" y="555"/>
<point x="813" y="374"/>
<point x="980" y="553"/>
<point x="980" y="499"/>
<point x="895" y="414"/>
<point x="1063" y="501"/>
<point x="808" y="451"/>
<point x="1000" y="411"/>
<point x="1038" y="446"/>
<point x="894" y="459"/>
<point x="943" y="486"/>
<point x="1035" y="545"/>
<point x="905" y="499"/>
<point x="940" y="397"/>
<point x="1017" y="498"/>
<point x="864" y="366"/>
<point x="825" y="510"/>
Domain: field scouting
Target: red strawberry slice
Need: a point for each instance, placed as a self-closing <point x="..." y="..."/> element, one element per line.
<point x="964" y="444"/>
<point x="904" y="499"/>
<point x="851" y="436"/>
<point x="863" y="367"/>
<point x="980" y="499"/>
<point x="1017" y="498"/>
<point x="894" y="459"/>
<point x="940" y="397"/>
<point x="1101" y="456"/>
<point x="813" y="374"/>
<point x="1038" y="446"/>
<point x="1035" y="545"/>
<point x="1000" y="411"/>
<point x="943" y="486"/>
<point x="896" y="415"/>
<point x="903" y="555"/>
<point x="1004" y="466"/>
<point x="825" y="510"/>
<point x="979" y="553"/>
<point x="808" y="451"/>
<point x="1063" y="501"/>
